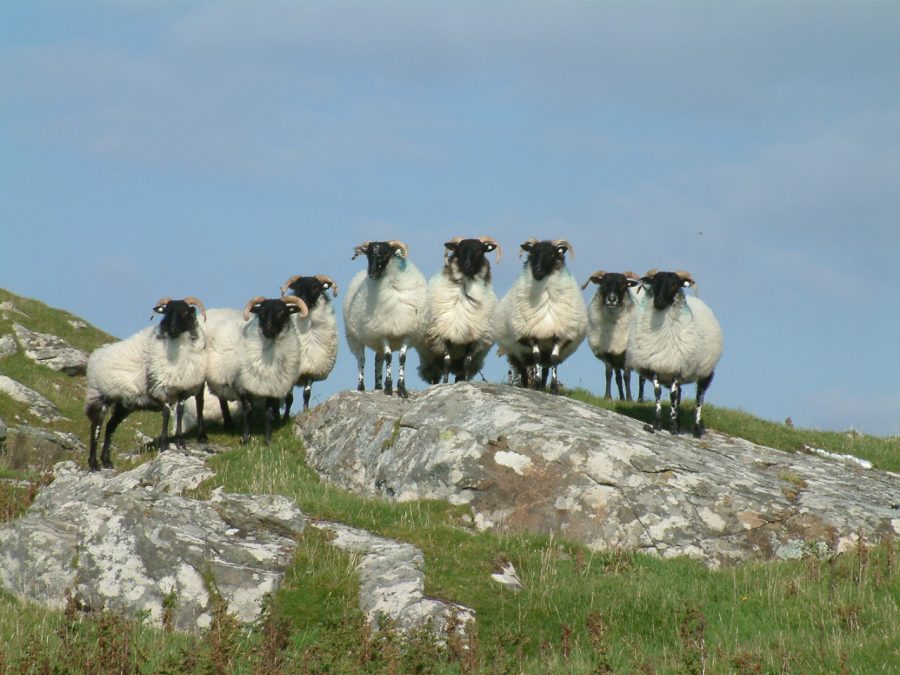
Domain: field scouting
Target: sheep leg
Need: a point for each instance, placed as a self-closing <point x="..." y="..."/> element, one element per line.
<point x="379" y="367"/>
<point x="179" y="415"/>
<point x="388" y="372"/>
<point x="702" y="386"/>
<point x="641" y="381"/>
<point x="361" y="369"/>
<point x="271" y="413"/>
<point x="609" y="373"/>
<point x="96" y="412"/>
<point x="619" y="384"/>
<point x="307" y="392"/>
<point x="627" y="377"/>
<point x="201" y="424"/>
<point x="675" y="404"/>
<point x="119" y="413"/>
<point x="401" y="373"/>
<point x="246" y="406"/>
<point x="538" y="370"/>
<point x="227" y="422"/>
<point x="164" y="434"/>
<point x="288" y="402"/>
<point x="554" y="368"/>
<point x="467" y="363"/>
<point x="445" y="377"/>
<point x="657" y="393"/>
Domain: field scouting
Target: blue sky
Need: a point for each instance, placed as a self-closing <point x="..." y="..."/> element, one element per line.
<point x="155" y="147"/>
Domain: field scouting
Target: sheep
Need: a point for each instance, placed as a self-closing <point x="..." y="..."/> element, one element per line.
<point x="386" y="309"/>
<point x="153" y="369"/>
<point x="317" y="333"/>
<point x="674" y="340"/>
<point x="542" y="319"/>
<point x="254" y="354"/>
<point x="609" y="318"/>
<point x="461" y="331"/>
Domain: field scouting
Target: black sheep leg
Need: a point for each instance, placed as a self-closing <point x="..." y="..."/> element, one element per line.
<point x="702" y="386"/>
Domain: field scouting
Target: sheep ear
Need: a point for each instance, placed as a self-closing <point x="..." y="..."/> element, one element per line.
<point x="450" y="245"/>
<point x="159" y="309"/>
<point x="488" y="247"/>
<point x="687" y="283"/>
<point x="562" y="249"/>
<point x="633" y="282"/>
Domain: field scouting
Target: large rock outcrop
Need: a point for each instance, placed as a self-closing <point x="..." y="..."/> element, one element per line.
<point x="529" y="462"/>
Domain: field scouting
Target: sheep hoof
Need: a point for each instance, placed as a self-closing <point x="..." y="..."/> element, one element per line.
<point x="698" y="432"/>
<point x="360" y="387"/>
<point x="245" y="440"/>
<point x="107" y="464"/>
<point x="649" y="429"/>
<point x="203" y="438"/>
<point x="93" y="467"/>
<point x="388" y="389"/>
<point x="401" y="391"/>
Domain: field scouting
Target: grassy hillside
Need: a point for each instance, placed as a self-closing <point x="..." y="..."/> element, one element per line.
<point x="579" y="612"/>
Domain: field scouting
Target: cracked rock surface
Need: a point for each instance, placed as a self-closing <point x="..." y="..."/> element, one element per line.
<point x="526" y="461"/>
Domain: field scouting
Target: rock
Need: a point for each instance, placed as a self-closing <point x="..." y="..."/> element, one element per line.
<point x="51" y="351"/>
<point x="31" y="447"/>
<point x="8" y="346"/>
<point x="392" y="582"/>
<point x="7" y="307"/>
<point x="4" y="431"/>
<point x="38" y="406"/>
<point x="133" y="543"/>
<point x="526" y="461"/>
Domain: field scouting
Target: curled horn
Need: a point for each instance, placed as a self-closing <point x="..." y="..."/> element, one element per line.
<point x="631" y="275"/>
<point x="294" y="300"/>
<point x="393" y="243"/>
<point x="530" y="240"/>
<point x="595" y="277"/>
<point x="250" y="304"/>
<point x="563" y="242"/>
<point x="360" y="250"/>
<point x="491" y="240"/>
<point x="328" y="280"/>
<point x="162" y="302"/>
<point x="651" y="272"/>
<point x="191" y="300"/>
<point x="287" y="284"/>
<point x="685" y="276"/>
<point x="447" y="249"/>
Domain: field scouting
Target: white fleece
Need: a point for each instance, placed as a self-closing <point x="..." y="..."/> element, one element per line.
<point x="392" y="310"/>
<point x="608" y="327"/>
<point x="317" y="332"/>
<point x="684" y="341"/>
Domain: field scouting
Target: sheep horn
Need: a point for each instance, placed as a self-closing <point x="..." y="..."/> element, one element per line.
<point x="631" y="275"/>
<point x="294" y="300"/>
<point x="563" y="242"/>
<point x="491" y="240"/>
<point x="328" y="280"/>
<point x="531" y="240"/>
<point x="250" y="304"/>
<point x="287" y="284"/>
<point x="393" y="243"/>
<point x="685" y="276"/>
<point x="191" y="300"/>
<point x="651" y="272"/>
<point x="362" y="249"/>
<point x="595" y="277"/>
<point x="162" y="302"/>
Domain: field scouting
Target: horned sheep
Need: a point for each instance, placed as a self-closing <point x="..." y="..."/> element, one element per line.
<point x="156" y="368"/>
<point x="461" y="331"/>
<point x="674" y="340"/>
<point x="542" y="319"/>
<point x="386" y="310"/>
<point x="609" y="319"/>
<point x="254" y="354"/>
<point x="317" y="333"/>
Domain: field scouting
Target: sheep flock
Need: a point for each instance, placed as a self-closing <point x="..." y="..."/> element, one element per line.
<point x="258" y="354"/>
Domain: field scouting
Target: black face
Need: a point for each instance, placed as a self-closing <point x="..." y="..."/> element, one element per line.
<point x="470" y="257"/>
<point x="309" y="290"/>
<point x="178" y="317"/>
<point x="545" y="257"/>
<point x="379" y="254"/>
<point x="664" y="287"/>
<point x="273" y="316"/>
<point x="613" y="288"/>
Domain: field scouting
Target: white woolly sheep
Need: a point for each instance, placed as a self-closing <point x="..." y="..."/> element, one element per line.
<point x="674" y="340"/>
<point x="461" y="331"/>
<point x="386" y="310"/>
<point x="542" y="319"/>
<point x="153" y="369"/>
<point x="254" y="354"/>
<point x="609" y="319"/>
<point x="317" y="333"/>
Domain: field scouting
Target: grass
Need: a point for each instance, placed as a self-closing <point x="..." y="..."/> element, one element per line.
<point x="580" y="611"/>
